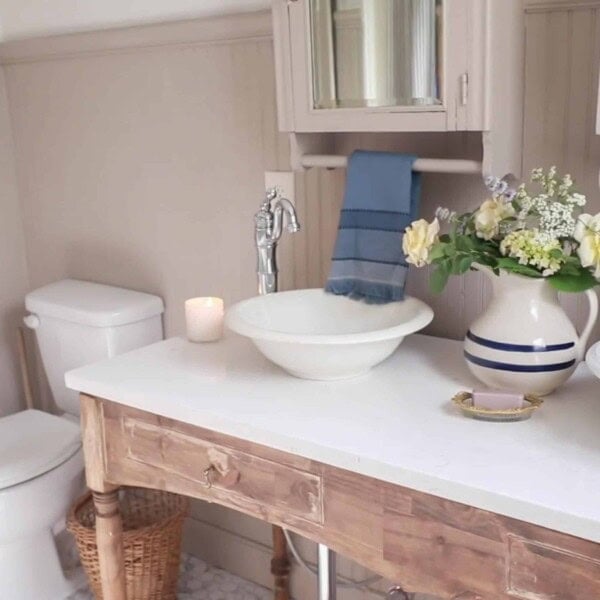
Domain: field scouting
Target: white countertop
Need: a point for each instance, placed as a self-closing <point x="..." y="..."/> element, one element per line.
<point x="396" y="423"/>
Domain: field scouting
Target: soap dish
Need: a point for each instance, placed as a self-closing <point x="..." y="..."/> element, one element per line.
<point x="464" y="400"/>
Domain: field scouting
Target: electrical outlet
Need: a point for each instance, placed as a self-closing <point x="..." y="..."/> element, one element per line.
<point x="284" y="182"/>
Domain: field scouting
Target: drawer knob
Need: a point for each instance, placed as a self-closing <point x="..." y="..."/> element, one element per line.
<point x="209" y="474"/>
<point x="228" y="479"/>
<point x="397" y="593"/>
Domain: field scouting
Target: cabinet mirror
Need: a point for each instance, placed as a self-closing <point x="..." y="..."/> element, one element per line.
<point x="375" y="53"/>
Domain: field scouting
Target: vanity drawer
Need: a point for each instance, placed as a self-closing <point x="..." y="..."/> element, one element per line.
<point x="542" y="571"/>
<point x="152" y="454"/>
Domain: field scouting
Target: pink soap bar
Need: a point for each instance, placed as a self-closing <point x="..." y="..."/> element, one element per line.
<point x="493" y="400"/>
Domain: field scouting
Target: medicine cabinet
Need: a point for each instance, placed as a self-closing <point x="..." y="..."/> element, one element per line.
<point x="402" y="66"/>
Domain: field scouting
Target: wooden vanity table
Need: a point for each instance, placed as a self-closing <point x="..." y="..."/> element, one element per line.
<point x="381" y="469"/>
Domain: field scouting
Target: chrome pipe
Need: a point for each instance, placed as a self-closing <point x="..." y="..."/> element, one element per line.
<point x="327" y="573"/>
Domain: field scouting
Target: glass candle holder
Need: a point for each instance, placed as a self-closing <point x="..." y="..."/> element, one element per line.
<point x="204" y="319"/>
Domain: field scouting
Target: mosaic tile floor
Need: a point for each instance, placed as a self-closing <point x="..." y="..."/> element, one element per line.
<point x="199" y="581"/>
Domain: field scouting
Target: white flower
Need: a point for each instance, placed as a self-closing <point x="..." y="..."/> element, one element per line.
<point x="444" y="214"/>
<point x="488" y="217"/>
<point x="587" y="233"/>
<point x="556" y="219"/>
<point x="577" y="199"/>
<point x="418" y="239"/>
<point x="534" y="248"/>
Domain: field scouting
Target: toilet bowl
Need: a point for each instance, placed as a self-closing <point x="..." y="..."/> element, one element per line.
<point x="46" y="473"/>
<point x="41" y="459"/>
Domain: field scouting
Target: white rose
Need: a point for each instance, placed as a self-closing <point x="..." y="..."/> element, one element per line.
<point x="489" y="215"/>
<point x="419" y="237"/>
<point x="587" y="233"/>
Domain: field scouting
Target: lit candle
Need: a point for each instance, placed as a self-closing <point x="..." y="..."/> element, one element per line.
<point x="204" y="319"/>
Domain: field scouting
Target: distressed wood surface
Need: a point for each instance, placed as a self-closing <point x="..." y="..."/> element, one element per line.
<point x="280" y="565"/>
<point x="423" y="542"/>
<point x="92" y="424"/>
<point x="109" y="535"/>
<point x="141" y="450"/>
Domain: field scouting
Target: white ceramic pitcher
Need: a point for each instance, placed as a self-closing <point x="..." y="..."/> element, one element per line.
<point x="524" y="341"/>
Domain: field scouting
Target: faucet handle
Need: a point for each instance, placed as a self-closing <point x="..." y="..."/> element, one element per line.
<point x="263" y="219"/>
<point x="272" y="193"/>
<point x="265" y="205"/>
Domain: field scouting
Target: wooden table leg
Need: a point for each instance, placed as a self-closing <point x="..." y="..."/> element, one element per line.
<point x="280" y="565"/>
<point x="109" y="532"/>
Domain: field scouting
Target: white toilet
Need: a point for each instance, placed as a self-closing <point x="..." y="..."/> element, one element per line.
<point x="41" y="462"/>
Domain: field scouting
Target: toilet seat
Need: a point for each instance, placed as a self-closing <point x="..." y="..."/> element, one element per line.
<point x="32" y="443"/>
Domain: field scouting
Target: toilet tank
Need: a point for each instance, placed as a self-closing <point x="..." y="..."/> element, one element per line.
<point x="79" y="322"/>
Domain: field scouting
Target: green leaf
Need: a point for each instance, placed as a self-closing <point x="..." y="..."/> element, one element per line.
<point x="584" y="280"/>
<point x="437" y="252"/>
<point x="439" y="278"/>
<point x="450" y="250"/>
<point x="570" y="269"/>
<point x="486" y="260"/>
<point x="514" y="266"/>
<point x="464" y="264"/>
<point x="465" y="243"/>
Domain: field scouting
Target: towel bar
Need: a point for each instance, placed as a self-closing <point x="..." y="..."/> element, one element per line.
<point x="423" y="165"/>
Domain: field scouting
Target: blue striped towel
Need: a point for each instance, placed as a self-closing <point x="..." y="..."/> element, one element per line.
<point x="381" y="200"/>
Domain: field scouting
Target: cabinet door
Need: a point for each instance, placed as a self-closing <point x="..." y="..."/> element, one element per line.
<point x="375" y="65"/>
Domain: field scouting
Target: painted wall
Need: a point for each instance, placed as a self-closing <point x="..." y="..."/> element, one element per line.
<point x="13" y="272"/>
<point x="29" y="18"/>
<point x="143" y="167"/>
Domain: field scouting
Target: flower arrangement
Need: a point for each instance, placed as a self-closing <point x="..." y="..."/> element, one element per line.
<point x="542" y="233"/>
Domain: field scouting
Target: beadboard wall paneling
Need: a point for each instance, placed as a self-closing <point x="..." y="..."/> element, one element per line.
<point x="144" y="169"/>
<point x="563" y="59"/>
<point x="13" y="268"/>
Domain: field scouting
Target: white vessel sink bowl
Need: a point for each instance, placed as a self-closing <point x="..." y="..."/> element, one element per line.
<point x="314" y="335"/>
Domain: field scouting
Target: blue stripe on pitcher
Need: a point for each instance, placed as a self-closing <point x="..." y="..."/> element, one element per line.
<point x="502" y="366"/>
<point x="517" y="347"/>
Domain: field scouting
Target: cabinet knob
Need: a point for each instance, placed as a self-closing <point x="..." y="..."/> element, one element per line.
<point x="397" y="593"/>
<point x="467" y="596"/>
<point x="211" y="475"/>
<point x="208" y="475"/>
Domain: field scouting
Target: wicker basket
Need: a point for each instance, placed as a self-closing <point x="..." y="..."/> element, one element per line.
<point x="152" y="528"/>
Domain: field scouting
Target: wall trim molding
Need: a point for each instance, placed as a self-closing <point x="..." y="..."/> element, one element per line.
<point x="536" y="6"/>
<point x="226" y="29"/>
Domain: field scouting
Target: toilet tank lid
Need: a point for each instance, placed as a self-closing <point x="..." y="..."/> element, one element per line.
<point x="93" y="304"/>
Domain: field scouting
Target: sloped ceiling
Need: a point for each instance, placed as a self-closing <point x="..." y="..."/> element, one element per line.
<point x="34" y="18"/>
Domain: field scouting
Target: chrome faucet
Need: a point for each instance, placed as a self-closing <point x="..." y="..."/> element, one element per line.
<point x="268" y="227"/>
